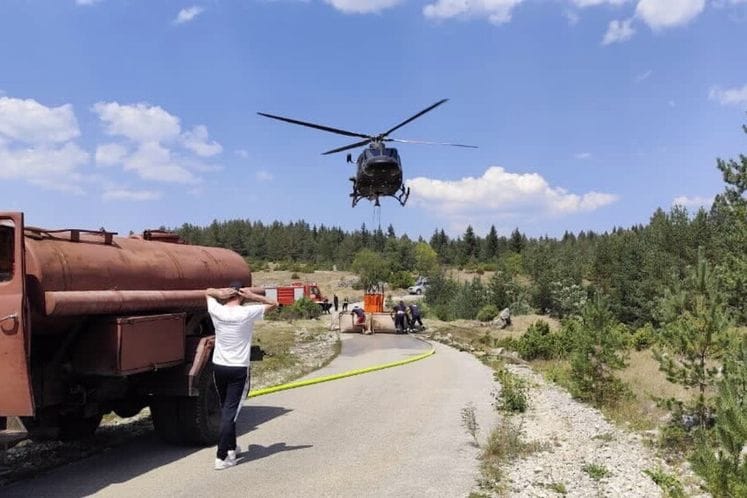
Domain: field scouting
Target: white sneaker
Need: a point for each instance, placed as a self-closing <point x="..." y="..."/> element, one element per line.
<point x="224" y="464"/>
<point x="233" y="454"/>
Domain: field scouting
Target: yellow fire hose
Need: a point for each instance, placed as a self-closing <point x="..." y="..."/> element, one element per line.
<point x="349" y="373"/>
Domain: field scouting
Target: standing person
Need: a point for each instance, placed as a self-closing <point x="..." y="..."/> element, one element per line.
<point x="335" y="301"/>
<point x="400" y="318"/>
<point x="415" y="316"/>
<point x="234" y="325"/>
<point x="345" y="304"/>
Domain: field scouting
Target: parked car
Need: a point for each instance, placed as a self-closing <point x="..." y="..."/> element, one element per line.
<point x="420" y="286"/>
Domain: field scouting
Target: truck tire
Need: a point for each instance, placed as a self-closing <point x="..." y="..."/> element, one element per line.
<point x="189" y="420"/>
<point x="74" y="427"/>
<point x="57" y="427"/>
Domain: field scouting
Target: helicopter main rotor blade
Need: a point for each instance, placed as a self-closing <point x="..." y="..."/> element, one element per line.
<point x="313" y="125"/>
<point x="416" y="116"/>
<point x="346" y="147"/>
<point x="428" y="143"/>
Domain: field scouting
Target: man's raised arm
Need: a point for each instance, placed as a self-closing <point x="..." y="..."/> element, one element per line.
<point x="249" y="294"/>
<point x="221" y="294"/>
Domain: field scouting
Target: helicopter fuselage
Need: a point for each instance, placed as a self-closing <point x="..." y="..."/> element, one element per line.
<point x="379" y="172"/>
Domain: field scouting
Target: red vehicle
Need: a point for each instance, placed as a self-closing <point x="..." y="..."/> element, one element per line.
<point x="286" y="295"/>
<point x="92" y="323"/>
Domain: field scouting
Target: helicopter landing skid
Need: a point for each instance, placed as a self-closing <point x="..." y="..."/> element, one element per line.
<point x="403" y="195"/>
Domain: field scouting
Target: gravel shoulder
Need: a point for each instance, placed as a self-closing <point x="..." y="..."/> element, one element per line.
<point x="577" y="437"/>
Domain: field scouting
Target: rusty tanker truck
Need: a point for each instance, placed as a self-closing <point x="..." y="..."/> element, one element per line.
<point x="92" y="323"/>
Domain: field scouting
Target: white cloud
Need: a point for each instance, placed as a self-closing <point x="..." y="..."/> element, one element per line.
<point x="123" y="194"/>
<point x="643" y="76"/>
<point x="110" y="154"/>
<point x="582" y="155"/>
<point x="618" y="32"/>
<point x="188" y="14"/>
<point x="36" y="145"/>
<point x="694" y="202"/>
<point x="496" y="11"/>
<point x="499" y="193"/>
<point x="572" y="17"/>
<point x="30" y="122"/>
<point x="264" y="176"/>
<point x="660" y="14"/>
<point x="594" y="3"/>
<point x="51" y="167"/>
<point x="729" y="96"/>
<point x="197" y="141"/>
<point x="152" y="161"/>
<point x="155" y="136"/>
<point x="362" y="6"/>
<point x="139" y="122"/>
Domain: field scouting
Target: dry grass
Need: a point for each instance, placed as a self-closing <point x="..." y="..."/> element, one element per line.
<point x="648" y="382"/>
<point x="292" y="350"/>
<point x="470" y="331"/>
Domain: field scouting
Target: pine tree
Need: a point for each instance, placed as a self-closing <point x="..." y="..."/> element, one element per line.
<point x="490" y="245"/>
<point x="598" y="351"/>
<point x="696" y="333"/>
<point x="720" y="460"/>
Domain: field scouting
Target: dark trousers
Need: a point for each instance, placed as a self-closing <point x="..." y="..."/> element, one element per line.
<point x="399" y="322"/>
<point x="232" y="384"/>
<point x="414" y="320"/>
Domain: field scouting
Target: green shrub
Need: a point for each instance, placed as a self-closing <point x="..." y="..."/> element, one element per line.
<point x="538" y="342"/>
<point x="506" y="343"/>
<point x="400" y="280"/>
<point x="302" y="309"/>
<point x="513" y="394"/>
<point x="295" y="276"/>
<point x="487" y="313"/>
<point x="643" y="338"/>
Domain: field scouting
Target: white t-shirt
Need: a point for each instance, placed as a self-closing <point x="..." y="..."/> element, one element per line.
<point x="234" y="326"/>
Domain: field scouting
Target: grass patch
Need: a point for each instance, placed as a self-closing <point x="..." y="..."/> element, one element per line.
<point x="469" y="422"/>
<point x="558" y="487"/>
<point x="596" y="471"/>
<point x="669" y="484"/>
<point x="505" y="444"/>
<point x="513" y="394"/>
<point x="607" y="437"/>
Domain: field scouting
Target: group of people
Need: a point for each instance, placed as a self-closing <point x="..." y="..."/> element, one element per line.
<point x="406" y="318"/>
<point x="336" y="302"/>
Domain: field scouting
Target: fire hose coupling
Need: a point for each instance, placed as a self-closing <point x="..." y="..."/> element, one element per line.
<point x="13" y="329"/>
<point x="12" y="316"/>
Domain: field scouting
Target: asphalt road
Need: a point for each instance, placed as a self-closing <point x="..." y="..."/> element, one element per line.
<point x="393" y="432"/>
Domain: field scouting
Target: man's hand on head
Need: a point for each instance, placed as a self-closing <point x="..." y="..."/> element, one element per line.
<point x="222" y="294"/>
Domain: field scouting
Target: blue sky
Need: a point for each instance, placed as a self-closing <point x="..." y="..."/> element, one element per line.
<point x="589" y="114"/>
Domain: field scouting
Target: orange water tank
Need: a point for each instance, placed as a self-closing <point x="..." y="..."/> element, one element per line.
<point x="373" y="303"/>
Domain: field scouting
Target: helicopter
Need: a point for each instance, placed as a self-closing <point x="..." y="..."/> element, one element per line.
<point x="379" y="168"/>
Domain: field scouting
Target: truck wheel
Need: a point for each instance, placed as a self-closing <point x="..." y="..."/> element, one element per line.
<point x="200" y="416"/>
<point x="189" y="420"/>
<point x="74" y="427"/>
<point x="56" y="427"/>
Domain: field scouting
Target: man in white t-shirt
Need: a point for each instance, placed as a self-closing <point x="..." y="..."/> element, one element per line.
<point x="234" y="324"/>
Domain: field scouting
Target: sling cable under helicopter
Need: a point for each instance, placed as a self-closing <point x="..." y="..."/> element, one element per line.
<point x="379" y="168"/>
